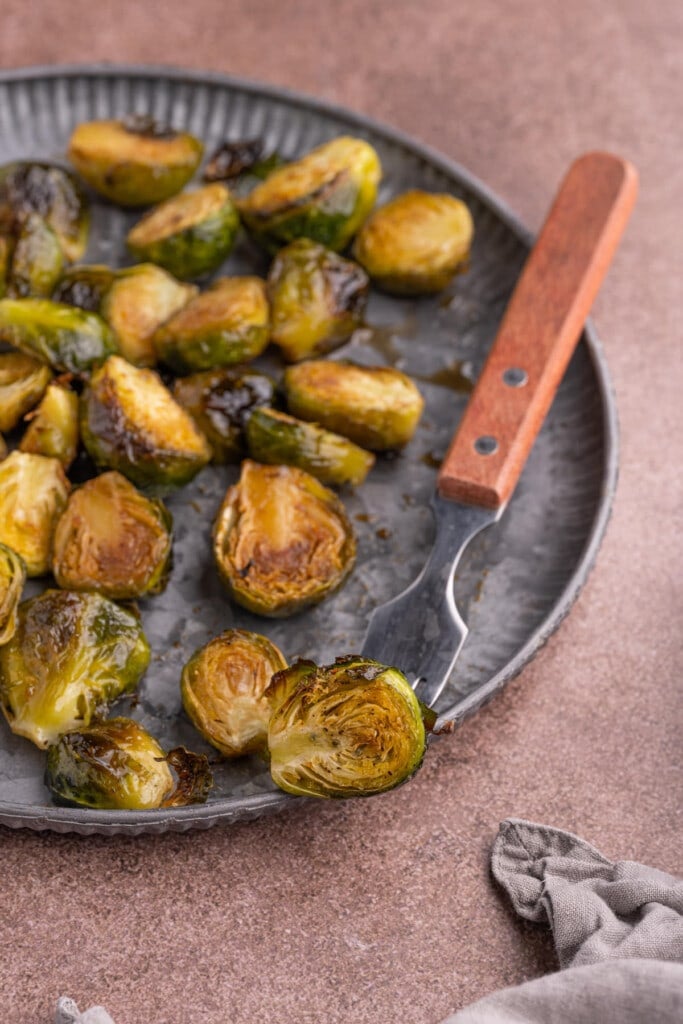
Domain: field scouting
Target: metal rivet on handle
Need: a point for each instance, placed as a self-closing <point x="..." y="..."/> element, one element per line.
<point x="515" y="377"/>
<point x="486" y="445"/>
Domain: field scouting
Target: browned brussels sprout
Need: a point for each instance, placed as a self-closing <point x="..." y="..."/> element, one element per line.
<point x="23" y="381"/>
<point x="325" y="196"/>
<point x="278" y="439"/>
<point x="134" y="162"/>
<point x="71" y="655"/>
<point x="350" y="729"/>
<point x="37" y="259"/>
<point x="112" y="539"/>
<point x="53" y="428"/>
<point x="317" y="299"/>
<point x="51" y="192"/>
<point x="65" y="337"/>
<point x="378" y="407"/>
<point x="222" y="687"/>
<point x="190" y="234"/>
<point x="84" y="286"/>
<point x="415" y="243"/>
<point x="234" y="161"/>
<point x="220" y="401"/>
<point x="130" y="422"/>
<point x="33" y="493"/>
<point x="282" y="541"/>
<point x="12" y="580"/>
<point x="225" y="325"/>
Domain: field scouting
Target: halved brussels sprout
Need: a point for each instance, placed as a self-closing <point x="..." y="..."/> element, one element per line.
<point x="136" y="161"/>
<point x="222" y="687"/>
<point x="84" y="286"/>
<point x="317" y="299"/>
<point x="12" y="580"/>
<point x="51" y="192"/>
<point x="118" y="765"/>
<point x="23" y="381"/>
<point x="71" y="655"/>
<point x="325" y="196"/>
<point x="415" y="243"/>
<point x="350" y="729"/>
<point x="65" y="337"/>
<point x="378" y="407"/>
<point x="278" y="439"/>
<point x="220" y="401"/>
<point x="33" y="493"/>
<point x="130" y="422"/>
<point x="112" y="539"/>
<point x="37" y="259"/>
<point x="190" y="234"/>
<point x="53" y="428"/>
<point x="282" y="541"/>
<point x="227" y="324"/>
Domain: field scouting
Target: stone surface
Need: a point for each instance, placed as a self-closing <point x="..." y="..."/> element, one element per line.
<point x="383" y="911"/>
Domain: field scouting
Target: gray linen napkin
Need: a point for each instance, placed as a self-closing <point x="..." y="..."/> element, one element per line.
<point x="618" y="927"/>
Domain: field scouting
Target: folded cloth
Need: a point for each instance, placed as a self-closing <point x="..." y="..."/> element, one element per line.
<point x="68" y="1013"/>
<point x="618" y="927"/>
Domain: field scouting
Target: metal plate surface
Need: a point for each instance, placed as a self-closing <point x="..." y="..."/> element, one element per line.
<point x="516" y="581"/>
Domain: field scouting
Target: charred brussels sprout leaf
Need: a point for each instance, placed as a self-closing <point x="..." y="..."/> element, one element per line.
<point x="112" y="765"/>
<point x="220" y="401"/>
<point x="350" y="729"/>
<point x="33" y="493"/>
<point x="71" y="655"/>
<point x="325" y="196"/>
<point x="37" y="259"/>
<point x="190" y="234"/>
<point x="23" y="381"/>
<point x="112" y="539"/>
<point x="84" y="286"/>
<point x="65" y="337"/>
<point x="378" y="407"/>
<point x="12" y="580"/>
<point x="282" y="541"/>
<point x="53" y="429"/>
<point x="317" y="299"/>
<point x="415" y="243"/>
<point x="134" y="162"/>
<point x="130" y="422"/>
<point x="193" y="778"/>
<point x="225" y="325"/>
<point x="235" y="161"/>
<point x="278" y="439"/>
<point x="222" y="687"/>
<point x="51" y="192"/>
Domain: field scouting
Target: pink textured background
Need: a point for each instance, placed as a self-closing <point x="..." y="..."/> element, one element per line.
<point x="382" y="912"/>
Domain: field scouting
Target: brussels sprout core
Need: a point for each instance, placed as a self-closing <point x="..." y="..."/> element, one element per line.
<point x="33" y="493"/>
<point x="350" y="729"/>
<point x="12" y="580"/>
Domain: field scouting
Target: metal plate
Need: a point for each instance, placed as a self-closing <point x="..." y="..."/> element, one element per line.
<point x="516" y="581"/>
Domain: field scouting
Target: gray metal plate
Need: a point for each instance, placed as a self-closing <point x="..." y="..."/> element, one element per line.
<point x="516" y="581"/>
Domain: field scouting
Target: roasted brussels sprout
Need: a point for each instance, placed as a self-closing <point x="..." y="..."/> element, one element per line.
<point x="222" y="687"/>
<point x="65" y="337"/>
<point x="190" y="234"/>
<point x="33" y="493"/>
<point x="112" y="539"/>
<point x="317" y="299"/>
<point x="415" y="243"/>
<point x="378" y="407"/>
<point x="325" y="196"/>
<point x="225" y="325"/>
<point x="278" y="439"/>
<point x="130" y="422"/>
<point x="235" y="161"/>
<point x="23" y="381"/>
<point x="84" y="286"/>
<point x="282" y="541"/>
<point x="51" y="192"/>
<point x="71" y="655"/>
<point x="37" y="259"/>
<point x="53" y="428"/>
<point x="12" y="580"/>
<point x="350" y="729"/>
<point x="134" y="162"/>
<point x="219" y="401"/>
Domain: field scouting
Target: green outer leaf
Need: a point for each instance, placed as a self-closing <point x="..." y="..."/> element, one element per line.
<point x="67" y="338"/>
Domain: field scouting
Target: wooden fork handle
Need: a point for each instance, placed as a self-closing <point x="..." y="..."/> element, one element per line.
<point x="539" y="331"/>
